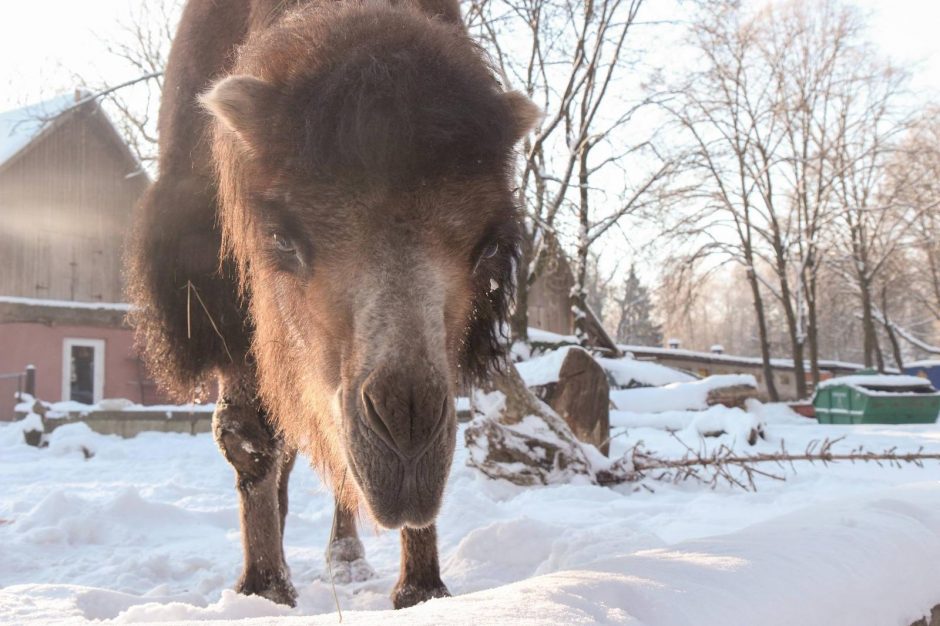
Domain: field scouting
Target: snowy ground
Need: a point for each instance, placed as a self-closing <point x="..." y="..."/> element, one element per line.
<point x="147" y="530"/>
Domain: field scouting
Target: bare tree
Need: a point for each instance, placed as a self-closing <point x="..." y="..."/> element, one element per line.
<point x="792" y="116"/>
<point x="571" y="58"/>
<point x="871" y="221"/>
<point x="142" y="43"/>
<point x="915" y="174"/>
<point x="814" y="46"/>
<point x="726" y="107"/>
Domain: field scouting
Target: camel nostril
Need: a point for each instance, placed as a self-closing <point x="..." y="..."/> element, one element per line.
<point x="375" y="421"/>
<point x="408" y="419"/>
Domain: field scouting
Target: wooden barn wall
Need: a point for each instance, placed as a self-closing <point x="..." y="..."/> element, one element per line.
<point x="66" y="205"/>
<point x="549" y="297"/>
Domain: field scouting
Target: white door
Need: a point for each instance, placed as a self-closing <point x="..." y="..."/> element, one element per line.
<point x="83" y="370"/>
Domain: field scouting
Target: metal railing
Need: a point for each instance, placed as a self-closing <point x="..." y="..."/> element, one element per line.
<point x="12" y="388"/>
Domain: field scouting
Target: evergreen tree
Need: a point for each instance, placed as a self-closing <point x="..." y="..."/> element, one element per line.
<point x="636" y="325"/>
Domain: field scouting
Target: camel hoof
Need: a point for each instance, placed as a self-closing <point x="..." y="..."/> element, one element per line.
<point x="406" y="595"/>
<point x="346" y="562"/>
<point x="273" y="585"/>
<point x="345" y="572"/>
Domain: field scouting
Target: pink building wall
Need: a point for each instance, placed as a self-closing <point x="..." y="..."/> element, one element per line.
<point x="23" y="344"/>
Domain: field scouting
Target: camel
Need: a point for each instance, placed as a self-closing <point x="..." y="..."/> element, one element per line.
<point x="330" y="241"/>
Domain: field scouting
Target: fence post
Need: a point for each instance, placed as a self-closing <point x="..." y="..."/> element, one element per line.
<point x="31" y="380"/>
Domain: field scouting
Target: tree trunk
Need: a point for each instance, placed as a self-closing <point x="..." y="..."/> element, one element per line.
<point x="812" y="329"/>
<point x="873" y="357"/>
<point x="796" y="341"/>
<point x="895" y="345"/>
<point x="762" y="330"/>
<point x="582" y="398"/>
<point x="519" y="321"/>
<point x="579" y="291"/>
<point x="889" y="330"/>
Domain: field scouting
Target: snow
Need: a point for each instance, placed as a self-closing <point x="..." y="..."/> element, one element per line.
<point x="629" y="372"/>
<point x="19" y="127"/>
<point x="65" y="408"/>
<point x="681" y="396"/>
<point x="730" y="358"/>
<point x="67" y="304"/>
<point x="134" y="534"/>
<point x="32" y="421"/>
<point x="538" y="335"/>
<point x="877" y="380"/>
<point x="625" y="372"/>
<point x="715" y="419"/>
<point x="543" y="370"/>
<point x="925" y="363"/>
<point x="95" y="527"/>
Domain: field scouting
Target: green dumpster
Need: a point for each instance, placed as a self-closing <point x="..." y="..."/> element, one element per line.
<point x="876" y="399"/>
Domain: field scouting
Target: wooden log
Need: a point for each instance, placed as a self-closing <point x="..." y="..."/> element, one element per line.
<point x="734" y="396"/>
<point x="582" y="398"/>
<point x="517" y="437"/>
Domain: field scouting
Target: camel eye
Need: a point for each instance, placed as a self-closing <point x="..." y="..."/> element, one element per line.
<point x="488" y="253"/>
<point x="283" y="244"/>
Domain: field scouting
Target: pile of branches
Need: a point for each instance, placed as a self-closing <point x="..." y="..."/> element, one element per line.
<point x="517" y="437"/>
<point x="726" y="466"/>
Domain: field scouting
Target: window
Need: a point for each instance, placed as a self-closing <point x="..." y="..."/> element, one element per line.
<point x="83" y="370"/>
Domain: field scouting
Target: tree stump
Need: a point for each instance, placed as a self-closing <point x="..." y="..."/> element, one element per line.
<point x="519" y="438"/>
<point x="34" y="432"/>
<point x="582" y="398"/>
<point x="734" y="396"/>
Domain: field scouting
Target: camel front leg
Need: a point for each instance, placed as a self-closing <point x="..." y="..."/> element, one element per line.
<point x="420" y="576"/>
<point x="261" y="466"/>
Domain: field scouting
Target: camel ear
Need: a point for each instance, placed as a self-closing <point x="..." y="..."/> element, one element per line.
<point x="525" y="113"/>
<point x="242" y="104"/>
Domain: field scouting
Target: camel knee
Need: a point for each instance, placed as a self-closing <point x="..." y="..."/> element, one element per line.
<point x="248" y="443"/>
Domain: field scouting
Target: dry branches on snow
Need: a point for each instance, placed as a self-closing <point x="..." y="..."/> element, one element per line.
<point x="518" y="438"/>
<point x="725" y="465"/>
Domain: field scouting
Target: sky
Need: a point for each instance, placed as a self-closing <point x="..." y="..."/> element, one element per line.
<point x="39" y="56"/>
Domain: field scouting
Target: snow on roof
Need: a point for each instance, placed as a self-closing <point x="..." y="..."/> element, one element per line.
<point x="877" y="380"/>
<point x="20" y="127"/>
<point x="66" y="304"/>
<point x="545" y="336"/>
<point x="926" y="363"/>
<point x="730" y="358"/>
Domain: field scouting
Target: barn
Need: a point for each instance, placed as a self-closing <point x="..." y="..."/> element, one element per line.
<point x="68" y="185"/>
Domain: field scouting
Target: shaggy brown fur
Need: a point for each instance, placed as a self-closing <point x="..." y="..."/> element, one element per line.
<point x="362" y="166"/>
